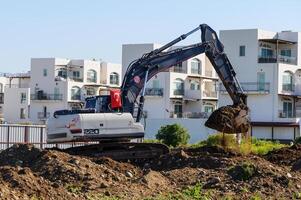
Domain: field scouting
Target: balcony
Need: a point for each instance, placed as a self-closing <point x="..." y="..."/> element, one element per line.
<point x="280" y="59"/>
<point x="191" y="115"/>
<point x="178" y="70"/>
<point x="288" y="88"/>
<point x="43" y="115"/>
<point x="178" y="92"/>
<point x="154" y="91"/>
<point x="76" y="79"/>
<point x="210" y="94"/>
<point x="196" y="71"/>
<point x="252" y="87"/>
<point x="43" y="96"/>
<point x="1" y="98"/>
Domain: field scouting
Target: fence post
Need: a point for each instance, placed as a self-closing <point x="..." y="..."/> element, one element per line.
<point x="7" y="144"/>
<point x="41" y="137"/>
<point x="26" y="134"/>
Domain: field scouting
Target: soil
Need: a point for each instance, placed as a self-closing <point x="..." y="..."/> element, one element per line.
<point x="29" y="173"/>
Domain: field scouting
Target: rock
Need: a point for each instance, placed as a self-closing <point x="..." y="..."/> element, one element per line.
<point x="107" y="193"/>
<point x="298" y="186"/>
<point x="129" y="174"/>
<point x="183" y="154"/>
<point x="297" y="165"/>
<point x="212" y="181"/>
<point x="74" y="161"/>
<point x="104" y="185"/>
<point x="289" y="175"/>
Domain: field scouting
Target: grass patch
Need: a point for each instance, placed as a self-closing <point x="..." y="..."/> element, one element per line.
<point x="242" y="172"/>
<point x="74" y="189"/>
<point x="248" y="145"/>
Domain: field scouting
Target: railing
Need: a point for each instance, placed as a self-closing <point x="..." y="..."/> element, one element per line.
<point x="288" y="88"/>
<point x="154" y="91"/>
<point x="211" y="94"/>
<point x="76" y="79"/>
<point x="273" y="59"/>
<point x="76" y="97"/>
<point x="1" y="98"/>
<point x="44" y="96"/>
<point x="91" y="80"/>
<point x="43" y="115"/>
<point x="195" y="115"/>
<point x="196" y="71"/>
<point x="178" y="92"/>
<point x="287" y="59"/>
<point x="24" y="85"/>
<point x="178" y="69"/>
<point x="11" y="134"/>
<point x="251" y="87"/>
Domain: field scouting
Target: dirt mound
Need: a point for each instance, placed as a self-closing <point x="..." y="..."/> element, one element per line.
<point x="29" y="173"/>
<point x="285" y="156"/>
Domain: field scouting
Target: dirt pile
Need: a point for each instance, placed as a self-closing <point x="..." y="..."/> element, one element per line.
<point x="29" y="173"/>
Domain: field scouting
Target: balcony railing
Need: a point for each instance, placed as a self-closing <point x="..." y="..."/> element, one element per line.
<point x="154" y="91"/>
<point x="210" y="94"/>
<point x="196" y="71"/>
<point x="178" y="92"/>
<point x="76" y="79"/>
<point x="43" y="115"/>
<point x="252" y="87"/>
<point x="195" y="115"/>
<point x="1" y="98"/>
<point x="273" y="59"/>
<point x="43" y="96"/>
<point x="178" y="69"/>
<point x="288" y="88"/>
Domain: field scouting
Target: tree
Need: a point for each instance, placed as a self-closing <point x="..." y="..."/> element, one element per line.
<point x="173" y="135"/>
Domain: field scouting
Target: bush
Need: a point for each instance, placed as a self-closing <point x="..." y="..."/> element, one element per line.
<point x="228" y="140"/>
<point x="297" y="140"/>
<point x="173" y="135"/>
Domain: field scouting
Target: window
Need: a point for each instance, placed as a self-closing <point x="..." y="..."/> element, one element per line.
<point x="44" y="111"/>
<point x="1" y="88"/>
<point x="178" y="68"/>
<point x="76" y="74"/>
<point x="91" y="76"/>
<point x="261" y="81"/>
<point x="23" y="97"/>
<point x="178" y="109"/>
<point x="62" y="73"/>
<point x="44" y="72"/>
<point x="286" y="52"/>
<point x="75" y="93"/>
<point x="208" y="108"/>
<point x="91" y="91"/>
<point x="22" y="113"/>
<point x="56" y="93"/>
<point x="178" y="85"/>
<point x="194" y="85"/>
<point x="242" y="50"/>
<point x="287" y="109"/>
<point x="287" y="81"/>
<point x="195" y="66"/>
<point x="156" y="84"/>
<point x="114" y="78"/>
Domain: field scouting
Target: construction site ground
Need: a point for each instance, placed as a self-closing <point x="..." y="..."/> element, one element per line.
<point x="30" y="173"/>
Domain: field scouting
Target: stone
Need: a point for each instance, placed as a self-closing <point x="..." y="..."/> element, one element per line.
<point x="129" y="174"/>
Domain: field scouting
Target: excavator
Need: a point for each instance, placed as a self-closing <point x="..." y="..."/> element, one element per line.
<point x="109" y="121"/>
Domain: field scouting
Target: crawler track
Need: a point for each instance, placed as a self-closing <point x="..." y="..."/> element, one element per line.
<point x="120" y="150"/>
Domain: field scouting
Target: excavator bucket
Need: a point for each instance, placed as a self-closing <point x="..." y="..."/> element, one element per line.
<point x="230" y="119"/>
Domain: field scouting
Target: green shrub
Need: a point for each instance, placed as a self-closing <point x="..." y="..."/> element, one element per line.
<point x="297" y="140"/>
<point x="173" y="135"/>
<point x="262" y="147"/>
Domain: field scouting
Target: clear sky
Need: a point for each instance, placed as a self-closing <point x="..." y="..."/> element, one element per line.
<point x="97" y="29"/>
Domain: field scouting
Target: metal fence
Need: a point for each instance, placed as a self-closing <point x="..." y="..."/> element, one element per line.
<point x="11" y="134"/>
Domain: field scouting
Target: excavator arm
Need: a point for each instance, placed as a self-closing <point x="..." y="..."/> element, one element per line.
<point x="159" y="60"/>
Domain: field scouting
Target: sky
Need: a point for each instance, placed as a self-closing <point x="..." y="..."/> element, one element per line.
<point x="97" y="29"/>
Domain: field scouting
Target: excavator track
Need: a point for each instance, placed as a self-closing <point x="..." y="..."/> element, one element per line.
<point x="120" y="150"/>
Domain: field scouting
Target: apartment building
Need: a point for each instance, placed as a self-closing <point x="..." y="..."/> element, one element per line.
<point x="14" y="98"/>
<point x="187" y="90"/>
<point x="58" y="83"/>
<point x="268" y="66"/>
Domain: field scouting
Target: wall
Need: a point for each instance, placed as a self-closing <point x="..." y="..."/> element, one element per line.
<point x="195" y="127"/>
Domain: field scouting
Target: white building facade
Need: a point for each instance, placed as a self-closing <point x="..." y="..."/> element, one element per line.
<point x="58" y="84"/>
<point x="14" y="98"/>
<point x="268" y="66"/>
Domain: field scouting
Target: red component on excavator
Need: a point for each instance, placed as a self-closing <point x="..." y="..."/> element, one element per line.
<point x="115" y="99"/>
